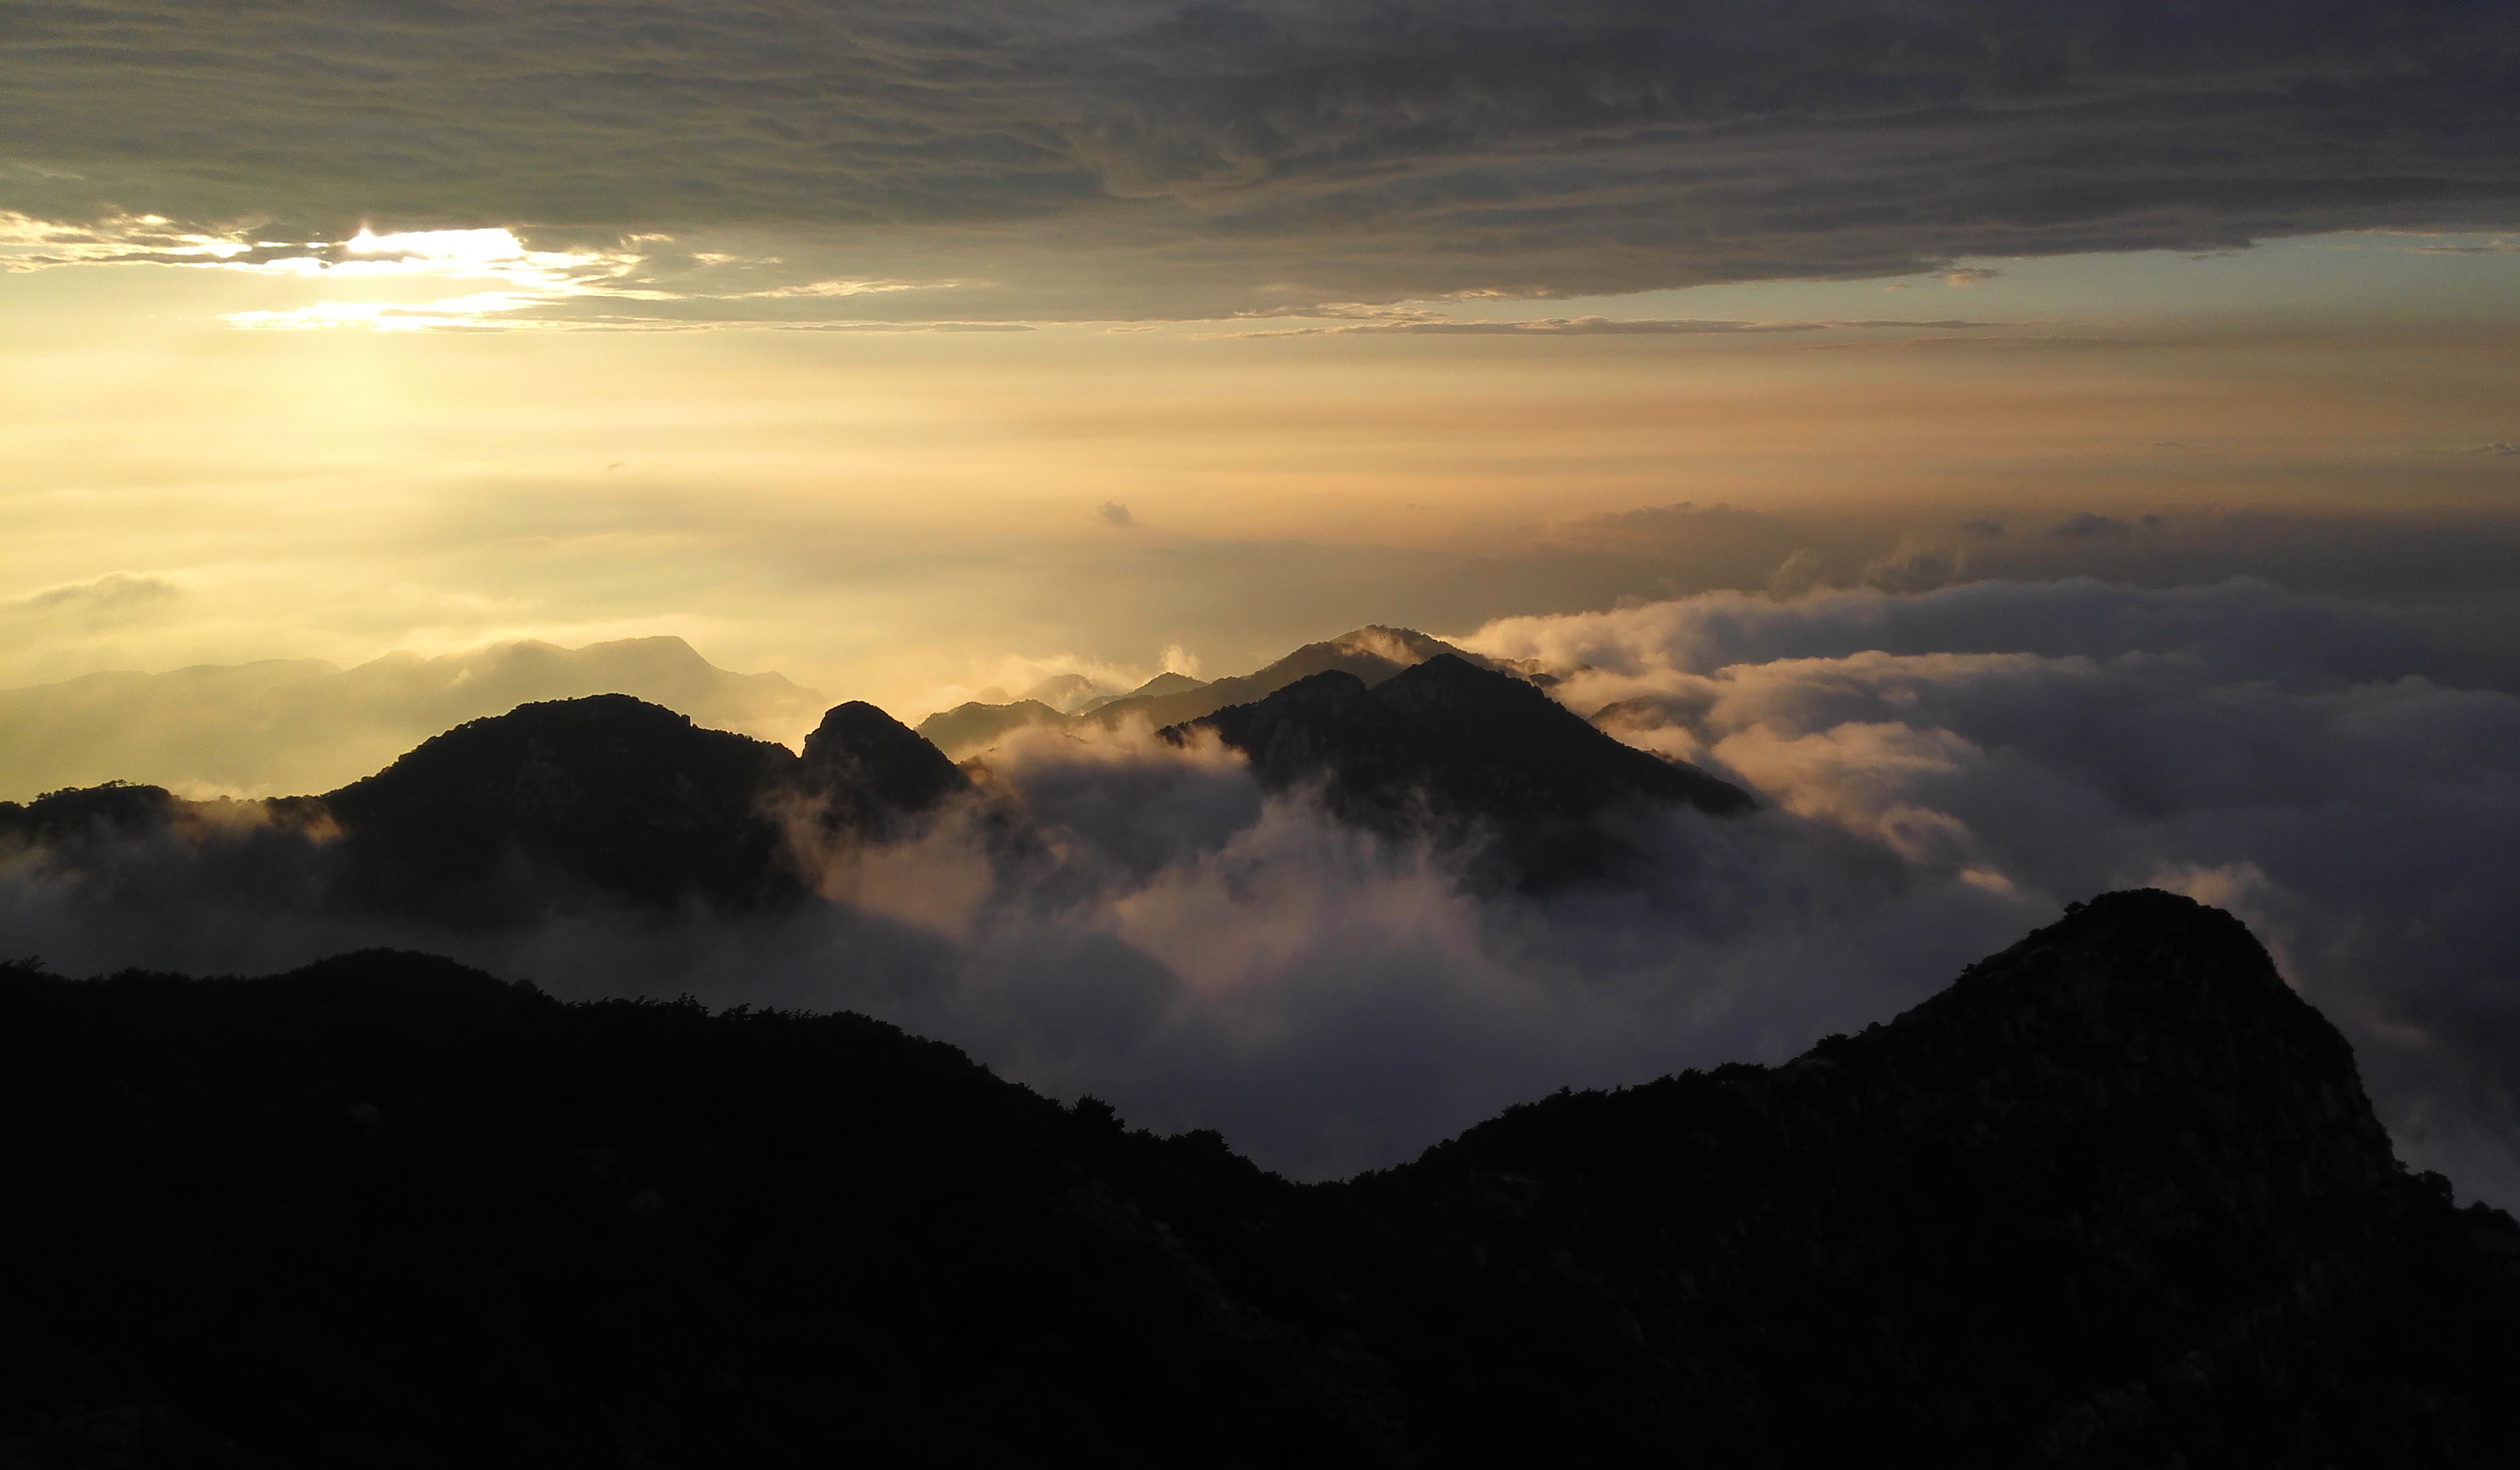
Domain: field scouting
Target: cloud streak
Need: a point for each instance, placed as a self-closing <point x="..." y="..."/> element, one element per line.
<point x="1123" y="157"/>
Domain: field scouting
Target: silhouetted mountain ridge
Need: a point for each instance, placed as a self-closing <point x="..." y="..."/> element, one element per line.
<point x="604" y="800"/>
<point x="627" y="797"/>
<point x="608" y="800"/>
<point x="2117" y="1196"/>
<point x="1370" y="654"/>
<point x="2114" y="1198"/>
<point x="1450" y="748"/>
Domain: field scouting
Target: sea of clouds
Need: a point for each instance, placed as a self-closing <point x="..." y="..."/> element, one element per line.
<point x="1938" y="771"/>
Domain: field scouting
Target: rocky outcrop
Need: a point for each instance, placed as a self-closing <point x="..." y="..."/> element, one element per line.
<point x="870" y="774"/>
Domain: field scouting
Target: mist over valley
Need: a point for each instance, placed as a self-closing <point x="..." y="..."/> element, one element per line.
<point x="1205" y="920"/>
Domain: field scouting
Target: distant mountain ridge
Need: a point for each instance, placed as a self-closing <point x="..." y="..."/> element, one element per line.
<point x="608" y="799"/>
<point x="1446" y="747"/>
<point x="2115" y="1197"/>
<point x="299" y="724"/>
<point x="1371" y="654"/>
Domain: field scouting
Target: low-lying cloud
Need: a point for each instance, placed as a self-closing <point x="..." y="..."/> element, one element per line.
<point x="2236" y="743"/>
<point x="116" y="597"/>
<point x="1938" y="770"/>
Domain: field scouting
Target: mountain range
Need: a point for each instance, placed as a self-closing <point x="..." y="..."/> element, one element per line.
<point x="606" y="800"/>
<point x="2114" y="1197"/>
<point x="1371" y="654"/>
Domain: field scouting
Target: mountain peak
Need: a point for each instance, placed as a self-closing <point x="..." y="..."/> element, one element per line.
<point x="2133" y="999"/>
<point x="607" y="790"/>
<point x="1370" y="654"/>
<point x="1163" y="683"/>
<point x="1447" y="685"/>
<point x="576" y="741"/>
<point x="1400" y="645"/>
<point x="2108" y="1199"/>
<point x="872" y="769"/>
<point x="1450" y="749"/>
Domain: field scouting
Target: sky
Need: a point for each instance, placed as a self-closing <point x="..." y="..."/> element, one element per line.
<point x="876" y="346"/>
<point x="890" y="513"/>
<point x="917" y="353"/>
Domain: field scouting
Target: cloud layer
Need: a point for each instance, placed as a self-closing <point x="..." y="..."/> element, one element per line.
<point x="1939" y="771"/>
<point x="1119" y="158"/>
<point x="2250" y="747"/>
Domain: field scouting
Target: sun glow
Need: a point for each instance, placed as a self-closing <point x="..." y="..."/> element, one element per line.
<point x="494" y="252"/>
<point x="527" y="278"/>
<point x="437" y="245"/>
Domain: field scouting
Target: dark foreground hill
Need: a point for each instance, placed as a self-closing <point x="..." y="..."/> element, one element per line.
<point x="2114" y="1198"/>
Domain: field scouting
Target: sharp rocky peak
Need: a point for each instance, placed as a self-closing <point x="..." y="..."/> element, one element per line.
<point x="871" y="770"/>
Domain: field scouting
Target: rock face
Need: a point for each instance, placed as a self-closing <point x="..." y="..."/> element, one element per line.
<point x="2114" y="1198"/>
<point x="1449" y="749"/>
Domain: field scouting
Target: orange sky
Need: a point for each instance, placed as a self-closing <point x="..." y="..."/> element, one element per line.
<point x="891" y="514"/>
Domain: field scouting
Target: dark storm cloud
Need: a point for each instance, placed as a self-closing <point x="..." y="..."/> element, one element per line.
<point x="1165" y="157"/>
<point x="2439" y="585"/>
